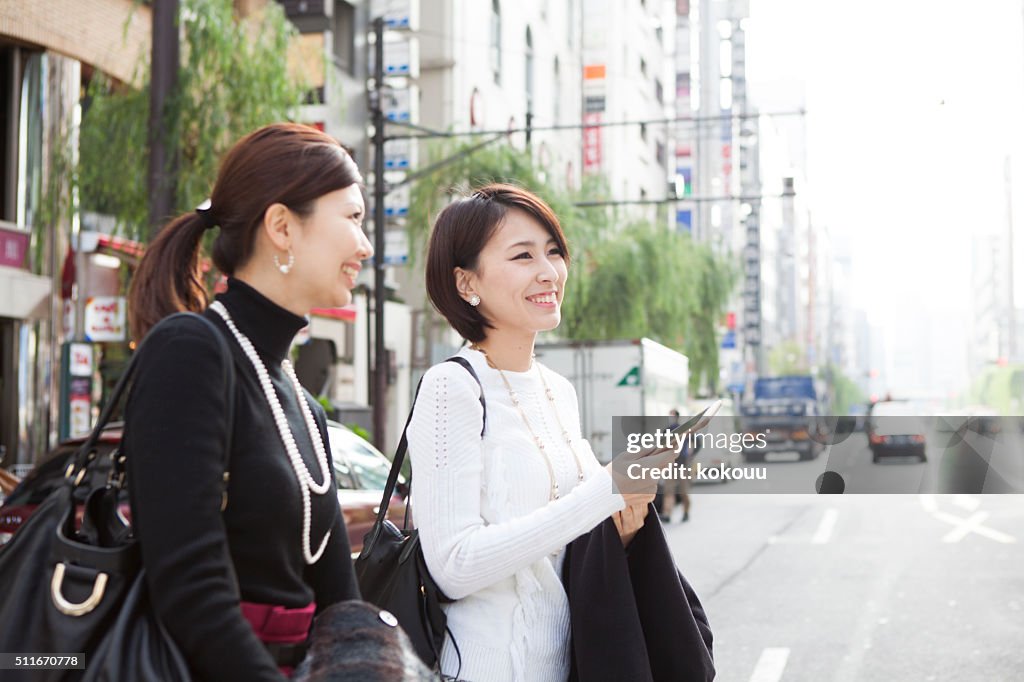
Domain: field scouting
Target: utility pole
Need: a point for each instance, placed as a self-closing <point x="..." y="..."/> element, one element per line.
<point x="380" y="355"/>
<point x="164" y="65"/>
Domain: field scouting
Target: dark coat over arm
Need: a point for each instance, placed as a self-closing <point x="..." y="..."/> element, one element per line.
<point x="634" y="617"/>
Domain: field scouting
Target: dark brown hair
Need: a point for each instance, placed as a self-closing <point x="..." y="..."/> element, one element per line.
<point x="461" y="231"/>
<point x="284" y="163"/>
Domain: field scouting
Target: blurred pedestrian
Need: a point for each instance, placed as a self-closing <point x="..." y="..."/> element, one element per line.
<point x="504" y="481"/>
<point x="679" y="487"/>
<point x="237" y="587"/>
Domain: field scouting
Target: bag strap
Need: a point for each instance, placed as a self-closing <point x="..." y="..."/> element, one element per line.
<point x="120" y="390"/>
<point x="403" y="446"/>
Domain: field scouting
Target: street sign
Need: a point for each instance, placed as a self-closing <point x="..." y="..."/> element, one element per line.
<point x="729" y="340"/>
<point x="80" y="362"/>
<point x="14" y="246"/>
<point x="396" y="203"/>
<point x="396" y="247"/>
<point x="398" y="14"/>
<point x="401" y="58"/>
<point x="398" y="155"/>
<point x="401" y="104"/>
<point x="105" y="318"/>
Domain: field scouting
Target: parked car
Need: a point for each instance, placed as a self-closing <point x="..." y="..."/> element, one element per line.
<point x="896" y="428"/>
<point x="360" y="471"/>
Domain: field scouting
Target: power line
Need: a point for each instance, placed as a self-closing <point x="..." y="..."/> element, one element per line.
<point x="674" y="200"/>
<point x="580" y="126"/>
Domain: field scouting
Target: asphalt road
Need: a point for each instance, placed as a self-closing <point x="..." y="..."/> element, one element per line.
<point x="972" y="464"/>
<point x="858" y="587"/>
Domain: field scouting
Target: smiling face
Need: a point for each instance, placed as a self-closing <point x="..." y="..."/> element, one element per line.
<point x="520" y="277"/>
<point x="328" y="249"/>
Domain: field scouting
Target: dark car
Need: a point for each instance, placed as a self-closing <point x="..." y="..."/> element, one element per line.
<point x="360" y="471"/>
<point x="896" y="428"/>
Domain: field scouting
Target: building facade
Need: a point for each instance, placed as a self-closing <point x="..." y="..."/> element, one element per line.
<point x="46" y="50"/>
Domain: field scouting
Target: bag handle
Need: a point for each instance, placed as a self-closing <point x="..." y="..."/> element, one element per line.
<point x="403" y="446"/>
<point x="81" y="460"/>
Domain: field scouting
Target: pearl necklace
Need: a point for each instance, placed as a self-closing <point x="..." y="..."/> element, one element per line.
<point x="554" y="492"/>
<point x="306" y="483"/>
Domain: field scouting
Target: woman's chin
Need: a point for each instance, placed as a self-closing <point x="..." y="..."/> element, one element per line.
<point x="338" y="299"/>
<point x="553" y="323"/>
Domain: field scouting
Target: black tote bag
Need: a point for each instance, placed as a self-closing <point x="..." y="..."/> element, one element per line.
<point x="391" y="570"/>
<point x="82" y="590"/>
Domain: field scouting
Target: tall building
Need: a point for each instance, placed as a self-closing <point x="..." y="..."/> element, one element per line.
<point x="684" y="132"/>
<point x="501" y="65"/>
<point x="628" y="76"/>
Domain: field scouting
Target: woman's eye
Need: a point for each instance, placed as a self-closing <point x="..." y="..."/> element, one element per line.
<point x="524" y="254"/>
<point x="555" y="252"/>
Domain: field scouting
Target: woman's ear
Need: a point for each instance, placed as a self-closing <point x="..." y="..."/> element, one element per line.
<point x="464" y="283"/>
<point x="277" y="225"/>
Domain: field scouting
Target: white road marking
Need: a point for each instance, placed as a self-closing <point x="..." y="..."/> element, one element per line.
<point x="825" y="527"/>
<point x="771" y="664"/>
<point x="972" y="525"/>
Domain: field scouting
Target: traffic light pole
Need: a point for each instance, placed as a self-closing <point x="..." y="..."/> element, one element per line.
<point x="380" y="362"/>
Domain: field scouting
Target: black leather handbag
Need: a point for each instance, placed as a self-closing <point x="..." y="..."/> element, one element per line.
<point x="392" y="572"/>
<point x="79" y="588"/>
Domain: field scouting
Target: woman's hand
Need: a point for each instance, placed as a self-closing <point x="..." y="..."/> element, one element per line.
<point x="636" y="489"/>
<point x="629" y="521"/>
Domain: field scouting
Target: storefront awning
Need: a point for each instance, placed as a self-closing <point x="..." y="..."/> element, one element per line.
<point x="23" y="296"/>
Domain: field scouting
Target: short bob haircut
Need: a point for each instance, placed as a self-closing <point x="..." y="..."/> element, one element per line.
<point x="461" y="231"/>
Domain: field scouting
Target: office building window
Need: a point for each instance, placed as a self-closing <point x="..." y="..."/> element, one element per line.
<point x="344" y="36"/>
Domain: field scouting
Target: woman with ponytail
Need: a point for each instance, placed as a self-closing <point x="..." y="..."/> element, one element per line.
<point x="237" y="586"/>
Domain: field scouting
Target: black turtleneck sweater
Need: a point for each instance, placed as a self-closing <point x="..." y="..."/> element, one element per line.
<point x="199" y="561"/>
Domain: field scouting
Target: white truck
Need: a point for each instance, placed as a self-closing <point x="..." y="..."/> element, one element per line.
<point x="619" y="379"/>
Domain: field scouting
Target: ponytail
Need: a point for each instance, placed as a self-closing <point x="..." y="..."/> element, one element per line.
<point x="168" y="279"/>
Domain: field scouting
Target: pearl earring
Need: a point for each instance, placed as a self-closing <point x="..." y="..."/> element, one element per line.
<point x="285" y="269"/>
<point x="474" y="300"/>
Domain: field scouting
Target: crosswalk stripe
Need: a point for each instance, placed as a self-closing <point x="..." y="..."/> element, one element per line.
<point x="825" y="527"/>
<point x="770" y="665"/>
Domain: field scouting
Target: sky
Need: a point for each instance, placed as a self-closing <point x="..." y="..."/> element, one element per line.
<point x="912" y="108"/>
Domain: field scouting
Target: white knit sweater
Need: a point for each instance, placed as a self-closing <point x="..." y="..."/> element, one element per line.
<point x="490" y="535"/>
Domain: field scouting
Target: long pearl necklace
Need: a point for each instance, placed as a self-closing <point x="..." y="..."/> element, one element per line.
<point x="554" y="492"/>
<point x="307" y="484"/>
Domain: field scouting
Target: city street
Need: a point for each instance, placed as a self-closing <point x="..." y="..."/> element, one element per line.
<point x="858" y="587"/>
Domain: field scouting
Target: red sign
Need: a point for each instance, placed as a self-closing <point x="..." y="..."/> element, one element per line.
<point x="13" y="248"/>
<point x="591" y="142"/>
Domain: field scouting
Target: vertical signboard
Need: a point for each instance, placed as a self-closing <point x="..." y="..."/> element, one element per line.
<point x="593" y="113"/>
<point x="752" y="281"/>
<point x="77" y="365"/>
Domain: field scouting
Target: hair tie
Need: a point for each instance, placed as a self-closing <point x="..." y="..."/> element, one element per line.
<point x="205" y="213"/>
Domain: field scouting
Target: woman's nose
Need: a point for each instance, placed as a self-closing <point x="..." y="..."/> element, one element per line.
<point x="365" y="247"/>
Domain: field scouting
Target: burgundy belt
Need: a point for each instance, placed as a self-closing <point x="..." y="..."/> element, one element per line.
<point x="283" y="631"/>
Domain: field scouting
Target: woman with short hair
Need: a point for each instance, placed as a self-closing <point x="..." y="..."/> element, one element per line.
<point x="496" y="511"/>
